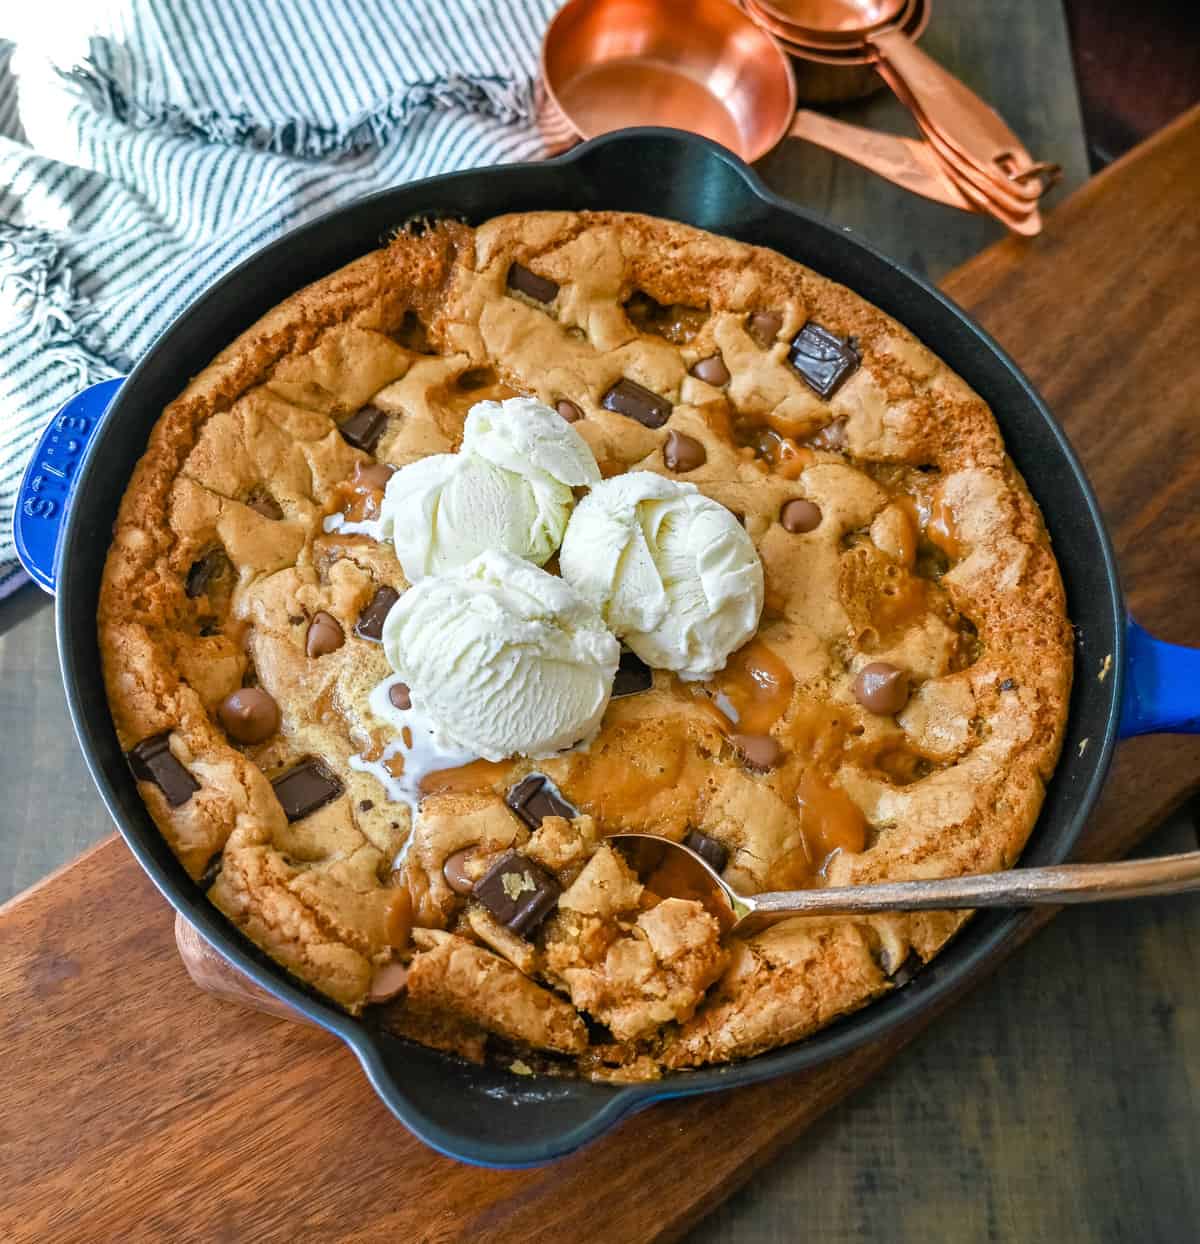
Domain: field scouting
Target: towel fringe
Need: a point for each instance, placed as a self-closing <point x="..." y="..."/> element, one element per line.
<point x="505" y="98"/>
<point x="36" y="277"/>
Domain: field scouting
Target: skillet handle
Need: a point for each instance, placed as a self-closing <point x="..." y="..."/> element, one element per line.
<point x="49" y="480"/>
<point x="1162" y="686"/>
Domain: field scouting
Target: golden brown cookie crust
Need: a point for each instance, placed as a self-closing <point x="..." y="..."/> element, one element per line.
<point x="928" y="553"/>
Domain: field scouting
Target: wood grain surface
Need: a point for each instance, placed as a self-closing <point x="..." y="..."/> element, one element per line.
<point x="131" y="1097"/>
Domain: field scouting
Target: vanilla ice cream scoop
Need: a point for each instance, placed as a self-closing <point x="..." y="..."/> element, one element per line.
<point x="671" y="571"/>
<point x="505" y="659"/>
<point x="508" y="487"/>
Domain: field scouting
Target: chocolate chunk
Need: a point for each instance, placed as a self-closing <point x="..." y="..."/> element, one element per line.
<point x="325" y="634"/>
<point x="627" y="397"/>
<point x="201" y="571"/>
<point x="633" y="675"/>
<point x="400" y="696"/>
<point x="539" y="288"/>
<point x="683" y="453"/>
<point x="364" y="428"/>
<point x="764" y="327"/>
<point x="249" y="715"/>
<point x="151" y="761"/>
<point x="823" y="360"/>
<point x="902" y="974"/>
<point x="881" y="688"/>
<point x="759" y="751"/>
<point x="373" y="476"/>
<point x="370" y="621"/>
<point x="518" y="892"/>
<point x="711" y="370"/>
<point x="455" y="872"/>
<point x="799" y="516"/>
<point x="307" y="787"/>
<point x="568" y="410"/>
<point x="211" y="869"/>
<point x="266" y="505"/>
<point x="533" y="799"/>
<point x="708" y="849"/>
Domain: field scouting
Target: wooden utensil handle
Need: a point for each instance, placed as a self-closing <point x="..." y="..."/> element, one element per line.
<point x="216" y="975"/>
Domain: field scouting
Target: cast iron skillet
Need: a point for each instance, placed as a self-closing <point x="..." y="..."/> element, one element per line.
<point x="478" y="1114"/>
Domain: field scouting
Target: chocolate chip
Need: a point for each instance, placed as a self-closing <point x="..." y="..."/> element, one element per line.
<point x="759" y="751"/>
<point x="568" y="410"/>
<point x="764" y="327"/>
<point x="476" y="378"/>
<point x="365" y="805"/>
<point x="249" y="715"/>
<point x="387" y="982"/>
<point x="201" y="571"/>
<point x="799" y="516"/>
<point x="266" y="505"/>
<point x="533" y="799"/>
<point x="518" y="892"/>
<point x="307" y="787"/>
<point x="151" y="761"/>
<point x="831" y="437"/>
<point x="683" y="453"/>
<point x="627" y="397"/>
<point x="539" y="288"/>
<point x="370" y="621"/>
<point x="372" y="475"/>
<point x="708" y="849"/>
<point x="711" y="370"/>
<point x="399" y="696"/>
<point x="364" y="428"/>
<point x="454" y="870"/>
<point x="633" y="676"/>
<point x="412" y="334"/>
<point x="823" y="360"/>
<point x="325" y="634"/>
<point x="881" y="688"/>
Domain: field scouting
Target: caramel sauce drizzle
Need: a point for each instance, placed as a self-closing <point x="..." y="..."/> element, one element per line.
<point x="478" y="776"/>
<point x="758" y="685"/>
<point x="941" y="529"/>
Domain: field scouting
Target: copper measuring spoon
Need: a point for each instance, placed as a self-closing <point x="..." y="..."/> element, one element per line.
<point x="1018" y="211"/>
<point x="702" y="65"/>
<point x="949" y="110"/>
<point x="684" y="874"/>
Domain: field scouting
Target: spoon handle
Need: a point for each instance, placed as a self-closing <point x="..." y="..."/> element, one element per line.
<point x="905" y="161"/>
<point x="1016" y="887"/>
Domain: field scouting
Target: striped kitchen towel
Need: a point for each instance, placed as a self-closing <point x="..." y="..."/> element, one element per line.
<point x="148" y="145"/>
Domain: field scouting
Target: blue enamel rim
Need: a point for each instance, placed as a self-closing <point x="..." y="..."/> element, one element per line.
<point x="1155" y="671"/>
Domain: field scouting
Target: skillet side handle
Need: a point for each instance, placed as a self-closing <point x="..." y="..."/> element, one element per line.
<point x="49" y="480"/>
<point x="1162" y="686"/>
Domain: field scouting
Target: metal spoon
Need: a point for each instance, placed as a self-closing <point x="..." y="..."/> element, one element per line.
<point x="688" y="876"/>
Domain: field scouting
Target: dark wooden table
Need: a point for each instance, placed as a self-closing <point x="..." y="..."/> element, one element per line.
<point x="1060" y="1100"/>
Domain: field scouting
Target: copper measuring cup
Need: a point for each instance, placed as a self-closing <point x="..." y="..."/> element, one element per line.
<point x="702" y="65"/>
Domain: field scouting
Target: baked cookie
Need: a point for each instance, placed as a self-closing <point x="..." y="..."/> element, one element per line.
<point x="897" y="714"/>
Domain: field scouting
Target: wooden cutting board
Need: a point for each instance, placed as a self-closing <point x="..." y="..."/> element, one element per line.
<point x="131" y="1097"/>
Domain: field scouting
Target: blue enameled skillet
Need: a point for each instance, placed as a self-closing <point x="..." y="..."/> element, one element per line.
<point x="70" y="495"/>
